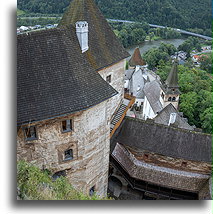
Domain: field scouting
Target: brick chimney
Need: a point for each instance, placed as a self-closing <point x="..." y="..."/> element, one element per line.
<point x="82" y="34"/>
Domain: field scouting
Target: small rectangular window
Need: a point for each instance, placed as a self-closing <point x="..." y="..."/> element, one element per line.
<point x="67" y="125"/>
<point x="146" y="156"/>
<point x="184" y="164"/>
<point x="68" y="154"/>
<point x="30" y="133"/>
<point x="109" y="79"/>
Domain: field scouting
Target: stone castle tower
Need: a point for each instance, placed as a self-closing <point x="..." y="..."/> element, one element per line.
<point x="70" y="83"/>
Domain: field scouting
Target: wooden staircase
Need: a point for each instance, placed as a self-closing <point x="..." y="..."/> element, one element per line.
<point x="119" y="115"/>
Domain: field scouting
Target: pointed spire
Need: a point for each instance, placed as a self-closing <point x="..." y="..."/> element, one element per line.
<point x="172" y="80"/>
<point x="104" y="47"/>
<point x="136" y="59"/>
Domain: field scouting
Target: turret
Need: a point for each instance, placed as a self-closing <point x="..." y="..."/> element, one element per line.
<point x="136" y="59"/>
<point x="171" y="92"/>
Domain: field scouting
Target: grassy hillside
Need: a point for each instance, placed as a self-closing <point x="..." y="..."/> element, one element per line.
<point x="35" y="184"/>
<point x="20" y="12"/>
<point x="181" y="14"/>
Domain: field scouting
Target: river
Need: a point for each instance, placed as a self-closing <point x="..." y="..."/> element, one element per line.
<point x="145" y="46"/>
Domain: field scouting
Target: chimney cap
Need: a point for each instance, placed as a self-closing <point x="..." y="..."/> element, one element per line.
<point x="81" y="24"/>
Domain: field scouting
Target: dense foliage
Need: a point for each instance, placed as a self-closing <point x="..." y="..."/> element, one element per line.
<point x="192" y="43"/>
<point x="193" y="14"/>
<point x="134" y="34"/>
<point x="156" y="56"/>
<point x="130" y="34"/>
<point x="43" y="6"/>
<point x="35" y="184"/>
<point x="196" y="94"/>
<point x="206" y="62"/>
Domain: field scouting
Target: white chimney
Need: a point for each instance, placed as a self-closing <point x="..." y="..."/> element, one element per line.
<point x="82" y="34"/>
<point x="137" y="68"/>
<point x="172" y="118"/>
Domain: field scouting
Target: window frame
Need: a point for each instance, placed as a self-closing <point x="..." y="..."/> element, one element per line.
<point x="59" y="174"/>
<point x="93" y="188"/>
<point x="69" y="158"/>
<point x="68" y="129"/>
<point x="30" y="138"/>
<point x="109" y="79"/>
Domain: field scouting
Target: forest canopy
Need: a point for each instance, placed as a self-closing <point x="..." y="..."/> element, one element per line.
<point x="190" y="14"/>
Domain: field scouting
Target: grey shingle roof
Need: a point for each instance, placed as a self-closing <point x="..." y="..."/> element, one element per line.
<point x="172" y="80"/>
<point x="164" y="116"/>
<point x="129" y="73"/>
<point x="171" y="83"/>
<point x="53" y="76"/>
<point x="152" y="173"/>
<point x="152" y="93"/>
<point x="164" y="140"/>
<point x="104" y="47"/>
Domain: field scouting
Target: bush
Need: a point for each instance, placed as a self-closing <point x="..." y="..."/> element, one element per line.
<point x="35" y="184"/>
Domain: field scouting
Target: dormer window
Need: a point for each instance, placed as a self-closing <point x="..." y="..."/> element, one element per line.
<point x="170" y="99"/>
<point x="30" y="133"/>
<point x="67" y="125"/>
<point x="109" y="78"/>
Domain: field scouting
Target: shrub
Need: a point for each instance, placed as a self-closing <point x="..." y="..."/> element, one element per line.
<point x="35" y="184"/>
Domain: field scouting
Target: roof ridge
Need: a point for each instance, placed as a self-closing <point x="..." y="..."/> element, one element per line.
<point x="151" y="121"/>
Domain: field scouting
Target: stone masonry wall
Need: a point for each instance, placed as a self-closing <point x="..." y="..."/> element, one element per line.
<point x="117" y="82"/>
<point x="90" y="141"/>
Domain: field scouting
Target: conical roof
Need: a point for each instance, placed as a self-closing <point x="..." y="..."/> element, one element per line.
<point x="172" y="80"/>
<point x="136" y="58"/>
<point x="104" y="47"/>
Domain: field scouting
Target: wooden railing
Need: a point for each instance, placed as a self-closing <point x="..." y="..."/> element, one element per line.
<point x="132" y="101"/>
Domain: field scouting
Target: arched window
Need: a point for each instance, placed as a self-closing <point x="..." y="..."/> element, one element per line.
<point x="173" y="99"/>
<point x="170" y="99"/>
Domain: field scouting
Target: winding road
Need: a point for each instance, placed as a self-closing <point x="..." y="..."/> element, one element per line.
<point x="159" y="26"/>
<point x="151" y="25"/>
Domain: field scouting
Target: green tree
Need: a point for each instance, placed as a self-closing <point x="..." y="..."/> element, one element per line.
<point x="188" y="105"/>
<point x="206" y="63"/>
<point x="206" y="119"/>
<point x="151" y="36"/>
<point x="154" y="56"/>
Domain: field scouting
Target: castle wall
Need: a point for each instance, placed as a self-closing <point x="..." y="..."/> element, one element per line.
<point x="90" y="141"/>
<point x="117" y="82"/>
